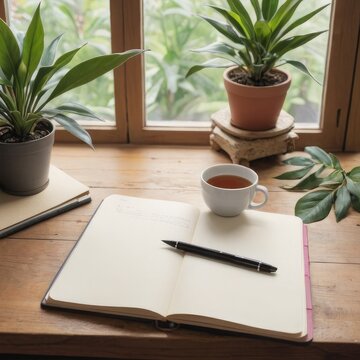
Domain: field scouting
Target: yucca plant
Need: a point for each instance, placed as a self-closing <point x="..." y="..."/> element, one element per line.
<point x="31" y="77"/>
<point x="257" y="46"/>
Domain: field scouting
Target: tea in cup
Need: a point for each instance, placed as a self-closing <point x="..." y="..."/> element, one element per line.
<point x="228" y="189"/>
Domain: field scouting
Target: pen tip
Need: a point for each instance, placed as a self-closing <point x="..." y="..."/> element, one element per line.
<point x="169" y="242"/>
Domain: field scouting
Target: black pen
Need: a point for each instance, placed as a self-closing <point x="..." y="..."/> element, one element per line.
<point x="220" y="255"/>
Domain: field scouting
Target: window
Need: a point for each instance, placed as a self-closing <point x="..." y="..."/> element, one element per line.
<point x="335" y="116"/>
<point x="152" y="101"/>
<point x="89" y="22"/>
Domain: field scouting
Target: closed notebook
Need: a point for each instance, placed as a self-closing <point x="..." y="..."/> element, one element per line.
<point x="120" y="266"/>
<point x="62" y="194"/>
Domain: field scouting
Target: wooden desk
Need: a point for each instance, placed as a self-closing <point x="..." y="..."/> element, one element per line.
<point x="30" y="259"/>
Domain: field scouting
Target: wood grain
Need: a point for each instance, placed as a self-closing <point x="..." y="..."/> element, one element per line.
<point x="30" y="259"/>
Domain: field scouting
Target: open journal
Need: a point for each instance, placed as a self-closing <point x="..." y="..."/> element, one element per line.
<point x="120" y="266"/>
<point x="62" y="194"/>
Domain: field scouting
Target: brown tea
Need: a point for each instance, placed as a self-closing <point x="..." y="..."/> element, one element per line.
<point x="229" y="182"/>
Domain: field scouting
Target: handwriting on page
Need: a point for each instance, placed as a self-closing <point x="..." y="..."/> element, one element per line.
<point x="154" y="216"/>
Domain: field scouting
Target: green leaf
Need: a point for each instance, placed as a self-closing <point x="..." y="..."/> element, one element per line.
<point x="4" y="122"/>
<point x="342" y="203"/>
<point x="9" y="51"/>
<point x="50" y="52"/>
<point x="334" y="179"/>
<point x="77" y="109"/>
<point x="269" y="8"/>
<point x="234" y="19"/>
<point x="213" y="63"/>
<point x="89" y="70"/>
<point x="47" y="72"/>
<point x="257" y="9"/>
<point x="314" y="206"/>
<point x="335" y="162"/>
<point x="299" y="161"/>
<point x="354" y="174"/>
<point x="295" y="174"/>
<point x="74" y="128"/>
<point x="310" y="182"/>
<point x="224" y="29"/>
<point x="319" y="154"/>
<point x="303" y="19"/>
<point x="262" y="31"/>
<point x="355" y="203"/>
<point x="283" y="15"/>
<point x="291" y="43"/>
<point x="33" y="46"/>
<point x="353" y="187"/>
<point x="5" y="82"/>
<point x="217" y="48"/>
<point x="244" y="17"/>
<point x="302" y="67"/>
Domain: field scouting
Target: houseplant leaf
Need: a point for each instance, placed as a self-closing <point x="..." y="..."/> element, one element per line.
<point x="89" y="70"/>
<point x="45" y="73"/>
<point x="355" y="203"/>
<point x="339" y="187"/>
<point x="314" y="206"/>
<point x="77" y="109"/>
<point x="299" y="161"/>
<point x="296" y="174"/>
<point x="291" y="43"/>
<point x="233" y="19"/>
<point x="268" y="9"/>
<point x="353" y="187"/>
<point x="310" y="182"/>
<point x="257" y="9"/>
<point x="213" y="63"/>
<point x="334" y="179"/>
<point x="50" y="52"/>
<point x="302" y="20"/>
<point x="354" y="174"/>
<point x="302" y="67"/>
<point x="9" y="51"/>
<point x="223" y="28"/>
<point x="33" y="46"/>
<point x="74" y="128"/>
<point x="342" y="202"/>
<point x="283" y="15"/>
<point x="244" y="17"/>
<point x="217" y="48"/>
<point x="319" y="154"/>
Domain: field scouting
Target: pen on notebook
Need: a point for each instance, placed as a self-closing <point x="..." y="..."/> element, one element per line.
<point x="220" y="255"/>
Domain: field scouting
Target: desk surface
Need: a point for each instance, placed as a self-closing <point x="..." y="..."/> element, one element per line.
<point x="30" y="259"/>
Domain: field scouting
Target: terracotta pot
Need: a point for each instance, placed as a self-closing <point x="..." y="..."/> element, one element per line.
<point x="24" y="167"/>
<point x="255" y="107"/>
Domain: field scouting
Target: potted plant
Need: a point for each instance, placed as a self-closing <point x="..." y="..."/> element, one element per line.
<point x="255" y="86"/>
<point x="27" y="86"/>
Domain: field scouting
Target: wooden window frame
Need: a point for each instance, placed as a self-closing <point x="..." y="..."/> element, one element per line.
<point x="340" y="118"/>
<point x="336" y="119"/>
<point x="118" y="133"/>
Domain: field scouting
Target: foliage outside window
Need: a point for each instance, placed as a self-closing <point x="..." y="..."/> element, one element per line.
<point x="81" y="22"/>
<point x="173" y="29"/>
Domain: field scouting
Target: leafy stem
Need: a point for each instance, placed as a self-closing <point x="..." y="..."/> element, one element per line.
<point x="337" y="187"/>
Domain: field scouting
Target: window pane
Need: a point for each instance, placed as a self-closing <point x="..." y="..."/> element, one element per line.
<point x="172" y="29"/>
<point x="80" y="22"/>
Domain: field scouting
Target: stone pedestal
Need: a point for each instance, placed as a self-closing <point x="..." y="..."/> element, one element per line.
<point x="243" y="146"/>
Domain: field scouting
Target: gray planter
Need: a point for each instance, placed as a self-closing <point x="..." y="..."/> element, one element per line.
<point x="24" y="167"/>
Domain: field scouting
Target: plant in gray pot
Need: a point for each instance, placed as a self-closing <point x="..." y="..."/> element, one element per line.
<point x="27" y="86"/>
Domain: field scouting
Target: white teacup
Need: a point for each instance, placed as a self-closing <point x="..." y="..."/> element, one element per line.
<point x="228" y="189"/>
